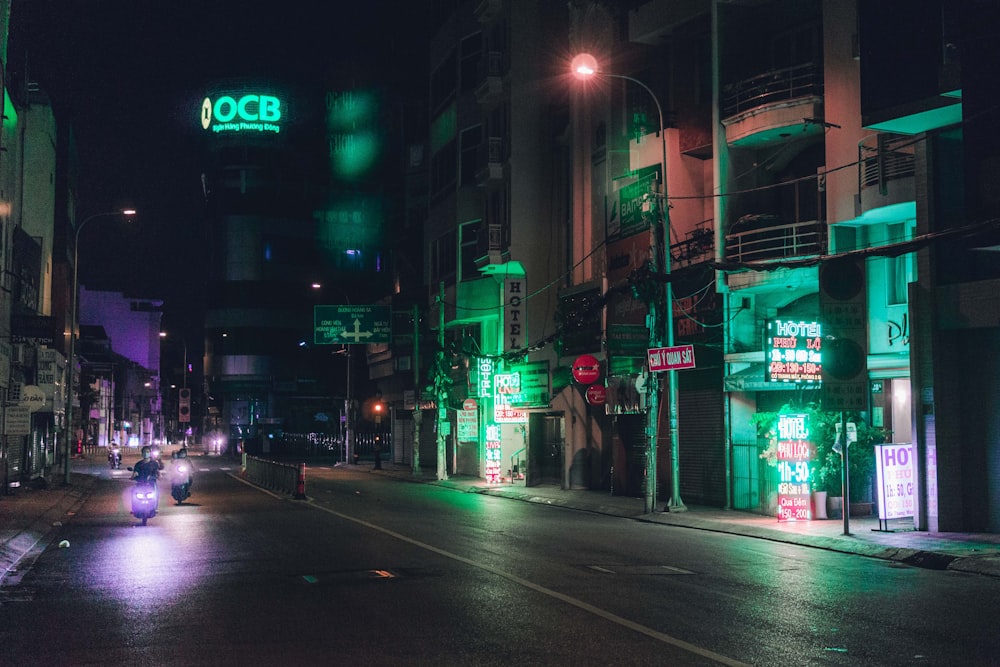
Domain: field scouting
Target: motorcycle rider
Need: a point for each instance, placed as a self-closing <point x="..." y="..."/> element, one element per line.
<point x="181" y="459"/>
<point x="146" y="470"/>
<point x="115" y="455"/>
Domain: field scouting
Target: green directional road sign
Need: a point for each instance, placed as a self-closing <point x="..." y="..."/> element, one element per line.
<point x="351" y="325"/>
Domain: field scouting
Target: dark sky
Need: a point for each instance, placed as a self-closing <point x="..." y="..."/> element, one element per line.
<point x="130" y="74"/>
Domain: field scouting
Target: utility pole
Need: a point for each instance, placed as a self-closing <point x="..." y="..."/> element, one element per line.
<point x="418" y="415"/>
<point x="348" y="432"/>
<point x="442" y="395"/>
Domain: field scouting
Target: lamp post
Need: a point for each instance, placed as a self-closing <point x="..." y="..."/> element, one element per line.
<point x="584" y="67"/>
<point x="71" y="357"/>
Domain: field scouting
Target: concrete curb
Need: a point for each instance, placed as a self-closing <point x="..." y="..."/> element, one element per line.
<point x="986" y="565"/>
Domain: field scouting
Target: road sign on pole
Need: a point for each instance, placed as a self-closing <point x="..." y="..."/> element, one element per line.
<point x="351" y="325"/>
<point x="676" y="357"/>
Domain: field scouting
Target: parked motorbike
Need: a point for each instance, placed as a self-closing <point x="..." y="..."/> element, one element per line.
<point x="180" y="481"/>
<point x="145" y="498"/>
<point x="115" y="458"/>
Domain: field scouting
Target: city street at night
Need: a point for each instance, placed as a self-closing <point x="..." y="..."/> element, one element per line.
<point x="375" y="569"/>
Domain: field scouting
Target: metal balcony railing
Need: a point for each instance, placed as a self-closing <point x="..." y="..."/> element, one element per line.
<point x="883" y="158"/>
<point x="772" y="87"/>
<point x="775" y="241"/>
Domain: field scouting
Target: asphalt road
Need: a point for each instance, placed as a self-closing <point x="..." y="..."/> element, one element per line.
<point x="373" y="570"/>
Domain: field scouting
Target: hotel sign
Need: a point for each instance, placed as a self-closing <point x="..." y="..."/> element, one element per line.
<point x="794" y="351"/>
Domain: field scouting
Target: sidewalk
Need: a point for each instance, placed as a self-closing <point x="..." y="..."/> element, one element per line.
<point x="29" y="518"/>
<point x="977" y="553"/>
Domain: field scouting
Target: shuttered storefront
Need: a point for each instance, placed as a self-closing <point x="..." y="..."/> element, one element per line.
<point x="701" y="431"/>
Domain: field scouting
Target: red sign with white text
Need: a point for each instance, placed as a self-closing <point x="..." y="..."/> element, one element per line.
<point x="586" y="369"/>
<point x="597" y="394"/>
<point x="671" y="358"/>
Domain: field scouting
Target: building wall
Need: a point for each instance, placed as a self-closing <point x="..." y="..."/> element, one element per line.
<point x="132" y="325"/>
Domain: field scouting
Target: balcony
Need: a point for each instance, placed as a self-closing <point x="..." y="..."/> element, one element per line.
<point x="488" y="10"/>
<point x="756" y="238"/>
<point x="492" y="170"/>
<point x="490" y="90"/>
<point x="886" y="168"/>
<point x="774" y="107"/>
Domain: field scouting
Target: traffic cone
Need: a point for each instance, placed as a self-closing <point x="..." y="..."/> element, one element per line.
<point x="300" y="487"/>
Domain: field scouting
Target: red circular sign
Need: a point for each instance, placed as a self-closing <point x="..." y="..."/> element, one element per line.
<point x="597" y="394"/>
<point x="586" y="369"/>
<point x="469" y="404"/>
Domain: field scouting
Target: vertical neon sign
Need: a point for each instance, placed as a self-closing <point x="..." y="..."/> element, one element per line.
<point x="794" y="458"/>
<point x="493" y="447"/>
<point x="493" y="453"/>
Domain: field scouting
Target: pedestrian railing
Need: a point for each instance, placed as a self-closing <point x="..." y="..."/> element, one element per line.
<point x="281" y="477"/>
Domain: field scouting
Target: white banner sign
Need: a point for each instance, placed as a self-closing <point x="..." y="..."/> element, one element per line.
<point x="895" y="477"/>
<point x="468" y="425"/>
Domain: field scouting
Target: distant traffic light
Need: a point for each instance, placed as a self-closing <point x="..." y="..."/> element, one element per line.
<point x="184" y="405"/>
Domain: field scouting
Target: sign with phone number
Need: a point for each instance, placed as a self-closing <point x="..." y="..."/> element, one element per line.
<point x="794" y="458"/>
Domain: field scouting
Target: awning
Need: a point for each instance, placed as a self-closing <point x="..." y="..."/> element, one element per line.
<point x="751" y="378"/>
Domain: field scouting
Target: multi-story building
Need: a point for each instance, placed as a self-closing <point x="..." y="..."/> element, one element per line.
<point x="496" y="238"/>
<point x="298" y="216"/>
<point x="33" y="165"/>
<point x="937" y="103"/>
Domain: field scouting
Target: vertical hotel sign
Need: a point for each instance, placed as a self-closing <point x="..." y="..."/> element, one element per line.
<point x="514" y="313"/>
<point x="794" y="460"/>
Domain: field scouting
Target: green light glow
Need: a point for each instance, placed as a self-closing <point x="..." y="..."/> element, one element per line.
<point x="9" y="112"/>
<point x="353" y="154"/>
<point x="352" y="123"/>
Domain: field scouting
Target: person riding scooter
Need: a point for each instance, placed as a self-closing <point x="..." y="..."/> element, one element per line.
<point x="146" y="470"/>
<point x="181" y="475"/>
<point x="115" y="456"/>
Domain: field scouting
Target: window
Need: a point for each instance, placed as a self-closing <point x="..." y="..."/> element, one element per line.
<point x="469" y="249"/>
<point x="443" y="258"/>
<point x="470" y="140"/>
<point x="443" y="169"/>
<point x="898" y="270"/>
<point x="444" y="82"/>
<point x="471" y="55"/>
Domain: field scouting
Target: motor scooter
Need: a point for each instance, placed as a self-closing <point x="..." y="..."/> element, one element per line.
<point x="115" y="458"/>
<point x="145" y="499"/>
<point x="180" y="480"/>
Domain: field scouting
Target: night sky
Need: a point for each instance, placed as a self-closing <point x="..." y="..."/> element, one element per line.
<point x="130" y="75"/>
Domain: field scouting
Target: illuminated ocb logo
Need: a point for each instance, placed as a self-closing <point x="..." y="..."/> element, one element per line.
<point x="250" y="113"/>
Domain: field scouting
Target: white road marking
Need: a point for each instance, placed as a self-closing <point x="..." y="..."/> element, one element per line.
<point x="579" y="604"/>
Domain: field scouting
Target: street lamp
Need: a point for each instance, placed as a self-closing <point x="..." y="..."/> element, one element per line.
<point x="584" y="67"/>
<point x="184" y="380"/>
<point x="71" y="357"/>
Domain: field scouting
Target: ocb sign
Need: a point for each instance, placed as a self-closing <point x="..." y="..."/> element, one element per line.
<point x="255" y="113"/>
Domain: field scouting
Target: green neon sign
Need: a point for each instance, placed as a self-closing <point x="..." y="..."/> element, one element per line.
<point x="249" y="113"/>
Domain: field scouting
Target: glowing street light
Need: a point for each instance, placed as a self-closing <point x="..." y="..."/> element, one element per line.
<point x="585" y="66"/>
<point x="71" y="357"/>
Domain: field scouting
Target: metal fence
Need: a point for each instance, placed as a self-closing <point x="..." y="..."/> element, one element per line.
<point x="772" y="87"/>
<point x="281" y="477"/>
<point x="755" y="486"/>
